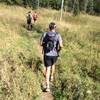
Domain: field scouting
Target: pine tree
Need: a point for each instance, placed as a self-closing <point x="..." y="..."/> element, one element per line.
<point x="34" y="4"/>
<point x="66" y="5"/>
<point x="97" y="6"/>
<point x="76" y="9"/>
<point x="91" y="6"/>
<point x="70" y="5"/>
<point x="85" y="5"/>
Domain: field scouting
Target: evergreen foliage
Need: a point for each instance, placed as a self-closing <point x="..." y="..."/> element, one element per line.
<point x="87" y="6"/>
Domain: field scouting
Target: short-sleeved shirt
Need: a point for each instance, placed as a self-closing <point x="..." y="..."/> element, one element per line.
<point x="58" y="39"/>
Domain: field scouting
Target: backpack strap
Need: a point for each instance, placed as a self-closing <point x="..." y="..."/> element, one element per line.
<point x="42" y="39"/>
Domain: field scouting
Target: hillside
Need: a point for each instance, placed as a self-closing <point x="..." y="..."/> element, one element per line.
<point x="78" y="67"/>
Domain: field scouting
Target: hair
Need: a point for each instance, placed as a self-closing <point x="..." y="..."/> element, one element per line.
<point x="52" y="26"/>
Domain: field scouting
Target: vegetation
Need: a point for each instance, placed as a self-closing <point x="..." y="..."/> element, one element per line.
<point x="17" y="55"/>
<point x="78" y="67"/>
<point x="87" y="6"/>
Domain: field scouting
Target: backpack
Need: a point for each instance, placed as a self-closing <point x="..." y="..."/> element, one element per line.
<point x="50" y="42"/>
<point x="29" y="18"/>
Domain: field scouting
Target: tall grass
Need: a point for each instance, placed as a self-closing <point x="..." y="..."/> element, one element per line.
<point x="78" y="67"/>
<point x="17" y="53"/>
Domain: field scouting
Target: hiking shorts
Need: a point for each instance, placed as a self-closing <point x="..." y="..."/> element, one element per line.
<point x="49" y="60"/>
<point x="29" y="22"/>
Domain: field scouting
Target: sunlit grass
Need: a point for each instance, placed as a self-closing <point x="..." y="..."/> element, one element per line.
<point x="78" y="63"/>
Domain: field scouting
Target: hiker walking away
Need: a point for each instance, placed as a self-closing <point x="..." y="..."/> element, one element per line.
<point x="51" y="43"/>
<point x="29" y="20"/>
<point x="35" y="16"/>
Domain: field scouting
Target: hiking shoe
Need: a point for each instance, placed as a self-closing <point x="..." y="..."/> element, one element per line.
<point x="47" y="90"/>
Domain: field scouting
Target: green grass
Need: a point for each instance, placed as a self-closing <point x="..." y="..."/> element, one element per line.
<point x="78" y="67"/>
<point x="18" y="81"/>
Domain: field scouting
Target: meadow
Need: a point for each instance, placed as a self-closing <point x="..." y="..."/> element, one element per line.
<point x="78" y="67"/>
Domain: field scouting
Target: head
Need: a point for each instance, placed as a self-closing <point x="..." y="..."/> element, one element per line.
<point x="52" y="26"/>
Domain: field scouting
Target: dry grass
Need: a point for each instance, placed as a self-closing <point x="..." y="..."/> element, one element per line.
<point x="17" y="47"/>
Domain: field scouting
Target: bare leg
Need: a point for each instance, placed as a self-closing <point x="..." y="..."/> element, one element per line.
<point x="47" y="76"/>
<point x="44" y="72"/>
<point x="52" y="72"/>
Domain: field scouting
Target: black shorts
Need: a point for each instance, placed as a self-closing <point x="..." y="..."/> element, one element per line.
<point x="49" y="60"/>
<point x="29" y="22"/>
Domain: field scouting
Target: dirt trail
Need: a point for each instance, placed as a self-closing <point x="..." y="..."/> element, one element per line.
<point x="47" y="96"/>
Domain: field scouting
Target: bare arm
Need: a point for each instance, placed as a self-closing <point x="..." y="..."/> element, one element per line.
<point x="60" y="41"/>
<point x="61" y="45"/>
<point x="41" y="42"/>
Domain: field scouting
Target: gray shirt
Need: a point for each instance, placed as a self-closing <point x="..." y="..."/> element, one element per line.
<point x="58" y="39"/>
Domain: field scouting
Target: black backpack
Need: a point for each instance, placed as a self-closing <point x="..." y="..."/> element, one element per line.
<point x="29" y="18"/>
<point x="50" y="42"/>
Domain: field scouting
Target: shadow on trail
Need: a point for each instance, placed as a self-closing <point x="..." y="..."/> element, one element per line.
<point x="37" y="28"/>
<point x="35" y="33"/>
<point x="24" y="32"/>
<point x="35" y="63"/>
